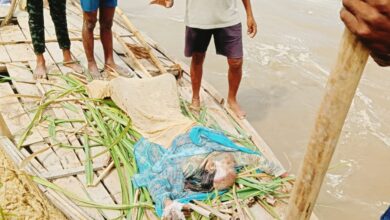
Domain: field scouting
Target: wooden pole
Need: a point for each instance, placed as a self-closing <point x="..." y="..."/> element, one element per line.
<point x="340" y="90"/>
<point x="10" y="14"/>
<point x="141" y="39"/>
<point x="132" y="59"/>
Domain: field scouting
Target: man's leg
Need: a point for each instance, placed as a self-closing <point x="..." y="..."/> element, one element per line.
<point x="235" y="75"/>
<point x="89" y="23"/>
<point x="196" y="43"/>
<point x="106" y="20"/>
<point x="58" y="15"/>
<point x="196" y="77"/>
<point x="36" y="23"/>
<point x="228" y="42"/>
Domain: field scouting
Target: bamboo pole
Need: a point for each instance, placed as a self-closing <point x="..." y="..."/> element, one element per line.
<point x="340" y="90"/>
<point x="10" y="14"/>
<point x="132" y="59"/>
<point x="141" y="39"/>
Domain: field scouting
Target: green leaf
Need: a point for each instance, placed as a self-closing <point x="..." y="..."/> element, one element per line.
<point x="70" y="107"/>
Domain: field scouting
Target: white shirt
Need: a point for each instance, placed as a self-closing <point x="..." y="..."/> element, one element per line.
<point x="210" y="14"/>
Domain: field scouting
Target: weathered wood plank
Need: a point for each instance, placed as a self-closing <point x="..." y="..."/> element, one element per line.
<point x="51" y="175"/>
<point x="4" y="10"/>
<point x="23" y="24"/>
<point x="99" y="192"/>
<point x="14" y="116"/>
<point x="4" y="57"/>
<point x="19" y="71"/>
<point x="17" y="52"/>
<point x="69" y="160"/>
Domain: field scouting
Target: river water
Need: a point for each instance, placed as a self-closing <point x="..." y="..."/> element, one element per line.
<point x="286" y="68"/>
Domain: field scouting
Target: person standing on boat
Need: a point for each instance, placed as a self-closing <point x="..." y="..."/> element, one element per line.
<point x="106" y="17"/>
<point x="220" y="19"/>
<point x="37" y="29"/>
<point x="370" y="21"/>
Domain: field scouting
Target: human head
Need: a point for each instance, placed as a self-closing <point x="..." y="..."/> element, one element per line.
<point x="224" y="167"/>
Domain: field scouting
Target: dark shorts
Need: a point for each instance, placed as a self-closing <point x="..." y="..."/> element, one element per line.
<point x="93" y="5"/>
<point x="228" y="41"/>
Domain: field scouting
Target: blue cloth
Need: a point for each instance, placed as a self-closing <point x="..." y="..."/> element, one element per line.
<point x="93" y="5"/>
<point x="386" y="215"/>
<point x="160" y="169"/>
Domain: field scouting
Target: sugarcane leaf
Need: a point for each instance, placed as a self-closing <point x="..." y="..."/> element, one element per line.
<point x="70" y="107"/>
<point x="88" y="161"/>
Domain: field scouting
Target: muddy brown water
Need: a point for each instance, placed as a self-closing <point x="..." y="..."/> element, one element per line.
<point x="286" y="67"/>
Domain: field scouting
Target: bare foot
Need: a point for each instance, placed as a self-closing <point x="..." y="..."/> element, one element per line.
<point x="94" y="71"/>
<point x="235" y="107"/>
<point x="74" y="65"/>
<point x="195" y="105"/>
<point x="117" y="70"/>
<point x="40" y="71"/>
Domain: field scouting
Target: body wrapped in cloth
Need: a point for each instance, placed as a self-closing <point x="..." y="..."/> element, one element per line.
<point x="178" y="160"/>
<point x="166" y="172"/>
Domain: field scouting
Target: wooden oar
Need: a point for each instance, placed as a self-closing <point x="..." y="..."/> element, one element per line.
<point x="340" y="90"/>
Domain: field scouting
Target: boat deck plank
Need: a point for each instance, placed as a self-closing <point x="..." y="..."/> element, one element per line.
<point x="19" y="72"/>
<point x="9" y="108"/>
<point x="4" y="57"/>
<point x="3" y="10"/>
<point x="97" y="193"/>
<point x="17" y="52"/>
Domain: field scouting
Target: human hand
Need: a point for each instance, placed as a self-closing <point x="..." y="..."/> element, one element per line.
<point x="165" y="3"/>
<point x="370" y="21"/>
<point x="252" y="26"/>
<point x="174" y="210"/>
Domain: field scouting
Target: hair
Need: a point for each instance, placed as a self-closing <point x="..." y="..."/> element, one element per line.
<point x="203" y="181"/>
<point x="218" y="173"/>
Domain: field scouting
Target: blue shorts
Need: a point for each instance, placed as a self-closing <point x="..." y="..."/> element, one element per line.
<point x="93" y="5"/>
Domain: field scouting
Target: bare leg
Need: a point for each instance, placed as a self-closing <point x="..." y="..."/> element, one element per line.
<point x="90" y="19"/>
<point x="40" y="70"/>
<point x="235" y="75"/>
<point x="69" y="62"/>
<point x="196" y="78"/>
<point x="106" y="20"/>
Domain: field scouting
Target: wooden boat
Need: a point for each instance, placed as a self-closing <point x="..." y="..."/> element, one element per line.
<point x="64" y="167"/>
